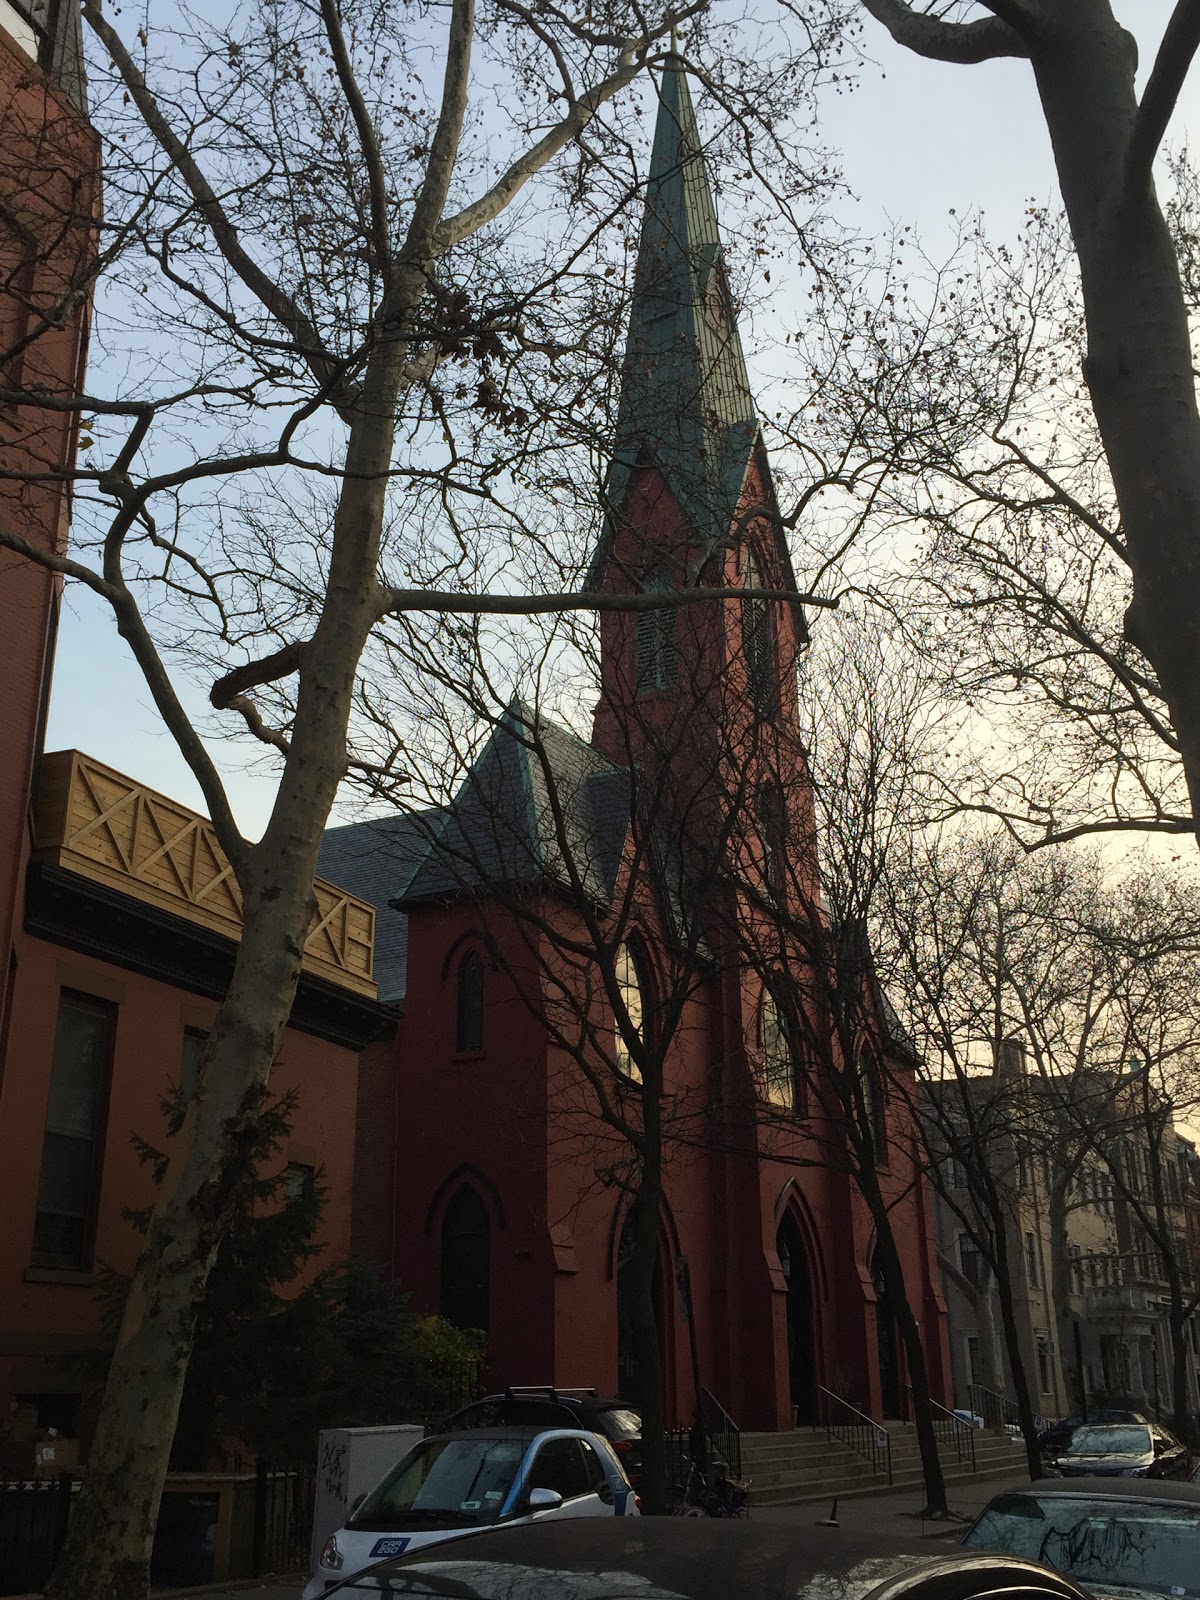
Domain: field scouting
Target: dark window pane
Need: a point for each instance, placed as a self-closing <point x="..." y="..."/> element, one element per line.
<point x="466" y="1261"/>
<point x="74" y="1119"/>
<point x="559" y="1466"/>
<point x="469" y="1029"/>
<point x="594" y="1473"/>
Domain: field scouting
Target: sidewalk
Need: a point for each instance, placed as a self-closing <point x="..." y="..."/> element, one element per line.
<point x="899" y="1509"/>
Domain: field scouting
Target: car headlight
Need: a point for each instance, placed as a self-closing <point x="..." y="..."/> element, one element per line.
<point x="331" y="1556"/>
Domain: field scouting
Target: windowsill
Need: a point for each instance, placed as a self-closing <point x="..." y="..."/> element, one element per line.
<point x="76" y="1277"/>
<point x="468" y="1055"/>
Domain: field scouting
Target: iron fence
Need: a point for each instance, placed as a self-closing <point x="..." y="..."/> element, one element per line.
<point x="33" y="1527"/>
<point x="283" y="1515"/>
<point x="447" y="1386"/>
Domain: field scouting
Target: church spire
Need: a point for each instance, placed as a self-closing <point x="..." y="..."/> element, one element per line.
<point x="685" y="401"/>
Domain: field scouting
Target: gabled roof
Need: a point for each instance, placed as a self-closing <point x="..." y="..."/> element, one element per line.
<point x="685" y="400"/>
<point x="375" y="861"/>
<point x="502" y="828"/>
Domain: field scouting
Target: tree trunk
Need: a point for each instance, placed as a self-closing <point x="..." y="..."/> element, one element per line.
<point x="1060" y="1289"/>
<point x="107" y="1553"/>
<point x="644" y="1268"/>
<point x="1016" y="1361"/>
<point x="910" y="1332"/>
<point x="1139" y="359"/>
<point x="980" y="1297"/>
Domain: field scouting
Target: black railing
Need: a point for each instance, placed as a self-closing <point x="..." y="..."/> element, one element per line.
<point x="283" y="1515"/>
<point x="723" y="1434"/>
<point x="33" y="1527"/>
<point x="855" y="1429"/>
<point x="950" y="1430"/>
<point x="997" y="1410"/>
<point x="447" y="1386"/>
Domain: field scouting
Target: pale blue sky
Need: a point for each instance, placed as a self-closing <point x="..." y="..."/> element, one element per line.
<point x="917" y="138"/>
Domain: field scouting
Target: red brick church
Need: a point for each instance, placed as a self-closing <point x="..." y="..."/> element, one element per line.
<point x="474" y="1182"/>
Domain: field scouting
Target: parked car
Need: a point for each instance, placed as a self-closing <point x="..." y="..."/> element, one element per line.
<point x="1124" y="1449"/>
<point x="547" y="1407"/>
<point x="1054" y="1438"/>
<point x="698" y="1559"/>
<point x="1121" y="1538"/>
<point x="451" y="1483"/>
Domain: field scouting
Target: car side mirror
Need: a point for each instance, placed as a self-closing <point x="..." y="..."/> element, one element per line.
<point x="544" y="1499"/>
<point x="604" y="1492"/>
<point x="358" y="1501"/>
<point x="1159" y="1446"/>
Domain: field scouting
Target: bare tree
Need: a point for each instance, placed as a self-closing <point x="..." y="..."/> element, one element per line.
<point x="335" y="332"/>
<point x="1138" y="365"/>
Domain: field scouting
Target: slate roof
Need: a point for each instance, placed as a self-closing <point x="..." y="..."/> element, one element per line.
<point x="685" y="403"/>
<point x="501" y="828"/>
<point x="375" y="861"/>
<point x="685" y="400"/>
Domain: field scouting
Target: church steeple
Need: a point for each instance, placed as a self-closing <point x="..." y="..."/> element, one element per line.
<point x="685" y="401"/>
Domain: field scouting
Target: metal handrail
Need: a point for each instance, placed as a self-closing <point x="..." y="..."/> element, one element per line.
<point x="858" y="1431"/>
<point x="955" y="1430"/>
<point x="997" y="1410"/>
<point x="722" y="1430"/>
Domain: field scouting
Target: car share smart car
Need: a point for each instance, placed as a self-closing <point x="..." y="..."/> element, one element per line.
<point x="451" y="1483"/>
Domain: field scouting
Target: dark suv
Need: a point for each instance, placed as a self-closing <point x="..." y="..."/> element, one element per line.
<point x="547" y="1407"/>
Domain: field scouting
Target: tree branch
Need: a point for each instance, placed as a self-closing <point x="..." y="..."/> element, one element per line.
<point x="369" y="143"/>
<point x="423" y="229"/>
<point x="480" y="212"/>
<point x="111" y="587"/>
<point x="1180" y="40"/>
<point x="966" y="43"/>
<point x="280" y="664"/>
<point x="281" y="306"/>
<point x="395" y="601"/>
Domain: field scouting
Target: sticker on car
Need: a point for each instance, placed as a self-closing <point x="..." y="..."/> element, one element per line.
<point x="389" y="1547"/>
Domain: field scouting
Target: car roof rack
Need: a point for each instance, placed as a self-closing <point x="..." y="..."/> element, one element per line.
<point x="550" y="1390"/>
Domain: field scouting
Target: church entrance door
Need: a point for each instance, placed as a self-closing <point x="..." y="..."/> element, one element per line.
<point x="888" y="1346"/>
<point x="802" y="1364"/>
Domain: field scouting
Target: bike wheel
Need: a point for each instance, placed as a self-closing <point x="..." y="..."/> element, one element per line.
<point x="691" y="1511"/>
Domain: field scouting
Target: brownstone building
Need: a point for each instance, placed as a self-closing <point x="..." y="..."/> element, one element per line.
<point x="119" y="915"/>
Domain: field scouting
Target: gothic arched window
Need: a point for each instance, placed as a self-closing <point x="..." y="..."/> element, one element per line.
<point x="466" y="1261"/>
<point x="655" y="645"/>
<point x="777" y="1053"/>
<point x="756" y="636"/>
<point x="468" y="1026"/>
<point x="631" y="984"/>
<point x="772" y="828"/>
<point x="871" y="1087"/>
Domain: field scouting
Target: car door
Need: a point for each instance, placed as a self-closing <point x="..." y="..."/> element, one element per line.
<point x="559" y="1465"/>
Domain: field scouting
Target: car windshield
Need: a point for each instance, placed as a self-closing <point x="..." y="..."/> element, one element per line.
<point x="1127" y="1441"/>
<point x="1132" y="1544"/>
<point x="460" y="1482"/>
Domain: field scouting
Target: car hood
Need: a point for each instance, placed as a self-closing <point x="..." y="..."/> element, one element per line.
<point x="1104" y="1465"/>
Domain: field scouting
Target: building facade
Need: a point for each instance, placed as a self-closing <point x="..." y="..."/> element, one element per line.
<point x="119" y="916"/>
<point x="586" y="912"/>
<point x="1075" y="1163"/>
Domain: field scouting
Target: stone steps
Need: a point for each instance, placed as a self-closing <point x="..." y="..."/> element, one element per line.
<point x="807" y="1466"/>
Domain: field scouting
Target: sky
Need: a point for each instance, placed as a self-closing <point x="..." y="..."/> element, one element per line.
<point x="917" y="139"/>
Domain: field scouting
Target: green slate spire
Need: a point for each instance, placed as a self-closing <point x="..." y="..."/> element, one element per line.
<point x="685" y="401"/>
